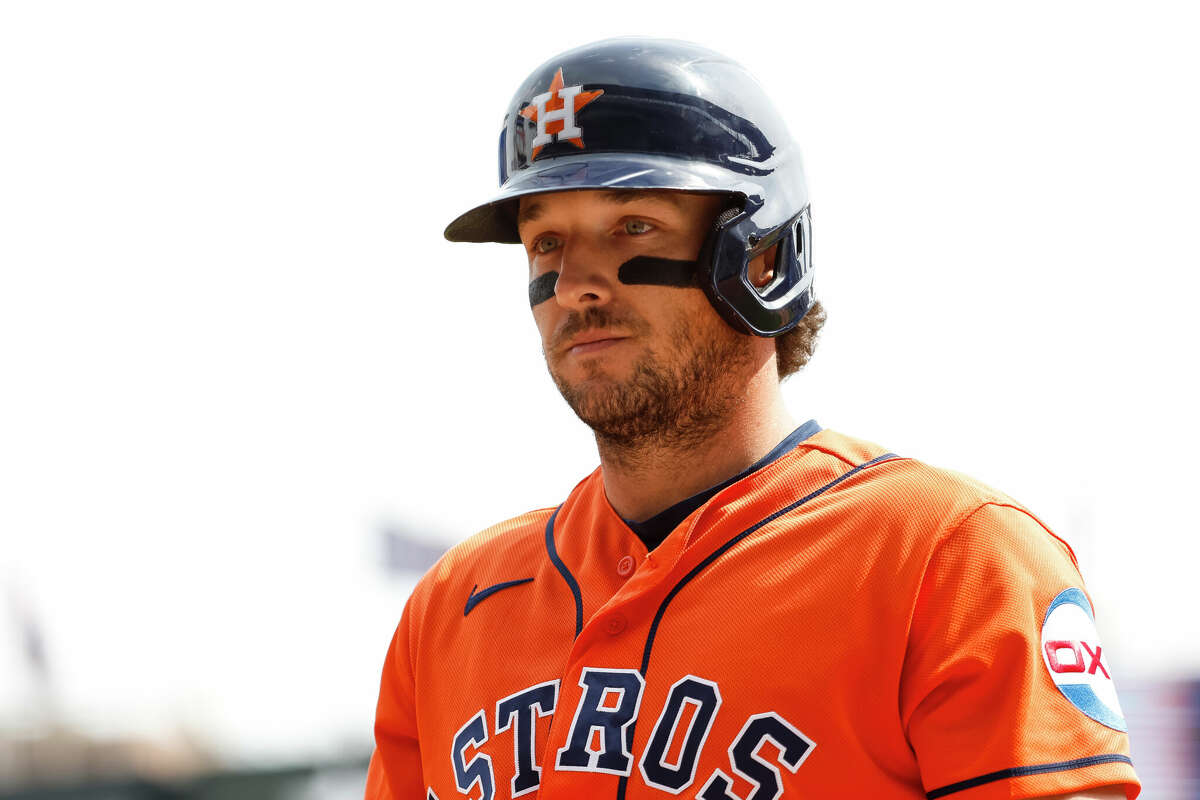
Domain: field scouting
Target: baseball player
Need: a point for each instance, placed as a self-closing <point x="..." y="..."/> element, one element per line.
<point x="734" y="605"/>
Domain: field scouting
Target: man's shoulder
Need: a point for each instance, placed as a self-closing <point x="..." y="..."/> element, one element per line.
<point x="901" y="473"/>
<point x="926" y="499"/>
<point x="900" y="483"/>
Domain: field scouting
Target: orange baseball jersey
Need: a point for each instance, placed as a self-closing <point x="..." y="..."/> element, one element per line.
<point x="837" y="621"/>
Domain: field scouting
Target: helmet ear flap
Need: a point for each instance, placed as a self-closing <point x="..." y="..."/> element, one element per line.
<point x="724" y="268"/>
<point x="707" y="260"/>
<point x="704" y="260"/>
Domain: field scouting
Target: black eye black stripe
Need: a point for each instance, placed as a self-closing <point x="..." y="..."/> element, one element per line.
<point x="639" y="270"/>
<point x="541" y="288"/>
<point x="658" y="271"/>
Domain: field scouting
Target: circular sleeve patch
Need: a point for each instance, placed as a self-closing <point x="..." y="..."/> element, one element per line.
<point x="1072" y="653"/>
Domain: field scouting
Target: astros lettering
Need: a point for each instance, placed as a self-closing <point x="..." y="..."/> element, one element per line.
<point x="599" y="740"/>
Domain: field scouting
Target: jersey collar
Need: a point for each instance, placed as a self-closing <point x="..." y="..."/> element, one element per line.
<point x="652" y="531"/>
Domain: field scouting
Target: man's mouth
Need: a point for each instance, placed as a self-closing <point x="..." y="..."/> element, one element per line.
<point x="592" y="347"/>
<point x="593" y="341"/>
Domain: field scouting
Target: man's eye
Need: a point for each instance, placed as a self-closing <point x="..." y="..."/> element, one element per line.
<point x="636" y="226"/>
<point x="545" y="244"/>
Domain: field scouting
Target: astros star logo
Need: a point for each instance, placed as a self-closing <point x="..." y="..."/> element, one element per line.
<point x="554" y="112"/>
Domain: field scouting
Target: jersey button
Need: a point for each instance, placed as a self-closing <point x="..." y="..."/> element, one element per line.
<point x="616" y="624"/>
<point x="626" y="566"/>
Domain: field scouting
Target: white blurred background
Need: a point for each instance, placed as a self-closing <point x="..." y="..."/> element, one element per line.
<point x="237" y="356"/>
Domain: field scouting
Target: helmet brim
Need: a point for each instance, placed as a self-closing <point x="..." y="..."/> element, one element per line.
<point x="496" y="220"/>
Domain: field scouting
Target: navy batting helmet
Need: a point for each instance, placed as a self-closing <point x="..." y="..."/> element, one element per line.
<point x="658" y="114"/>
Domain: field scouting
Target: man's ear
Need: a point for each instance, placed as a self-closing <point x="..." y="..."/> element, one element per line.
<point x="762" y="268"/>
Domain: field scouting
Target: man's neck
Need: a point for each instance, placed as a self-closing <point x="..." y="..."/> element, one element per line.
<point x="655" y="476"/>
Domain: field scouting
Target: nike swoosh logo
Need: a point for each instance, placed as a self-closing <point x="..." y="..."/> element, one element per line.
<point x="475" y="597"/>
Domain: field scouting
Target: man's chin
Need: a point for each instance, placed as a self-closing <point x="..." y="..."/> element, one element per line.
<point x="593" y="375"/>
<point x="597" y="396"/>
<point x="598" y="392"/>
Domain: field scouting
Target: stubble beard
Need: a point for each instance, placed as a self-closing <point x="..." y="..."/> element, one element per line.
<point x="670" y="401"/>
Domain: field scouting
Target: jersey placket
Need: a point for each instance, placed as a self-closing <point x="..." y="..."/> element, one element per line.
<point x="595" y="545"/>
<point x="613" y="643"/>
<point x="616" y="643"/>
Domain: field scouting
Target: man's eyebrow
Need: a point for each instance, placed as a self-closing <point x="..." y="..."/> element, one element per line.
<point x="632" y="195"/>
<point x="534" y="208"/>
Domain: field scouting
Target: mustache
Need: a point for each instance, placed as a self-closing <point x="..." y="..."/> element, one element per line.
<point x="594" y="319"/>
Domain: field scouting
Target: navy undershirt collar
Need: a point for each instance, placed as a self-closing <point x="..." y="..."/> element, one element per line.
<point x="653" y="530"/>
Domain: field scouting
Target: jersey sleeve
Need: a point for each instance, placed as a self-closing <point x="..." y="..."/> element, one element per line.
<point x="395" y="769"/>
<point x="1006" y="691"/>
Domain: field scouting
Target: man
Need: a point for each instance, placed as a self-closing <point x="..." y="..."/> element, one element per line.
<point x="732" y="606"/>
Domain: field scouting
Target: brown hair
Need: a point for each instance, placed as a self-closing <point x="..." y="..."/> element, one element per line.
<point x="794" y="348"/>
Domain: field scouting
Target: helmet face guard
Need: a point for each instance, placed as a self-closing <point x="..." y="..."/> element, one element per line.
<point x="658" y="114"/>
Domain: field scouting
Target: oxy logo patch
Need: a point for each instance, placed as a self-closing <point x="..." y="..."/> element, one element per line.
<point x="1073" y="655"/>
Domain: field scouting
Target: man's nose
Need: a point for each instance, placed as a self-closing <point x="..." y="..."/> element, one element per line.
<point x="586" y="273"/>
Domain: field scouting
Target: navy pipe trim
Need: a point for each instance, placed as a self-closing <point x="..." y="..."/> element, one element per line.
<point x="1018" y="772"/>
<point x="566" y="573"/>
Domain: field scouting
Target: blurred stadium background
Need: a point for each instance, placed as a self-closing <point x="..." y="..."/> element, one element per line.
<point x="249" y="394"/>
